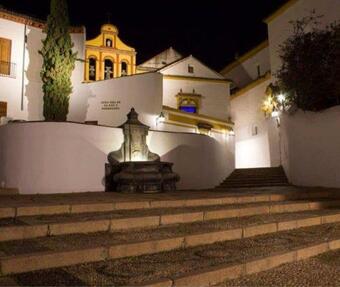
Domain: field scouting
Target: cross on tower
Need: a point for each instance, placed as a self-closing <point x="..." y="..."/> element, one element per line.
<point x="108" y="15"/>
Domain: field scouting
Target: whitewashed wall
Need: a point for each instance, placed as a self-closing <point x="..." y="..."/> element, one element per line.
<point x="68" y="157"/>
<point x="261" y="150"/>
<point x="200" y="70"/>
<point x="279" y="29"/>
<point x="26" y="82"/>
<point x="246" y="72"/>
<point x="142" y="91"/>
<point x="311" y="147"/>
<point x="215" y="96"/>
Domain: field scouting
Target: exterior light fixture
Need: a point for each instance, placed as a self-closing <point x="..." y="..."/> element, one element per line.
<point x="231" y="133"/>
<point x="281" y="98"/>
<point x="161" y="117"/>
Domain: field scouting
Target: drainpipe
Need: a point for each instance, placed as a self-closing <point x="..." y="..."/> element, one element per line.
<point x="23" y="69"/>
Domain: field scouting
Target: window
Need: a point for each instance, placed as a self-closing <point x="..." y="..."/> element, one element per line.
<point x="190" y="69"/>
<point x="124" y="69"/>
<point x="108" y="43"/>
<point x="5" y="56"/>
<point x="3" y="109"/>
<point x="188" y="102"/>
<point x="188" y="109"/>
<point x="258" y="70"/>
<point x="108" y="69"/>
<point x="92" y="69"/>
<point x="254" y="130"/>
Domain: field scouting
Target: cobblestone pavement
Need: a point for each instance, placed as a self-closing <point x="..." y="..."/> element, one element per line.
<point x="134" y="270"/>
<point x="322" y="270"/>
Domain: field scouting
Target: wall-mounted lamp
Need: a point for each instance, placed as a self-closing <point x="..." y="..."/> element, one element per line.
<point x="281" y="98"/>
<point x="161" y="117"/>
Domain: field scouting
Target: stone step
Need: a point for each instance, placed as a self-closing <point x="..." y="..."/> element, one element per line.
<point x="103" y="202"/>
<point x="42" y="253"/>
<point x="192" y="266"/>
<point x="9" y="191"/>
<point x="259" y="169"/>
<point x="256" y="182"/>
<point x="255" y="179"/>
<point x="252" y="174"/>
<point x="251" y="185"/>
<point x="41" y="226"/>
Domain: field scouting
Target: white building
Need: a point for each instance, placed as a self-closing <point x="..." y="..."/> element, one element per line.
<point x="305" y="144"/>
<point x="256" y="138"/>
<point x="182" y="99"/>
<point x="172" y="82"/>
<point x="21" y="92"/>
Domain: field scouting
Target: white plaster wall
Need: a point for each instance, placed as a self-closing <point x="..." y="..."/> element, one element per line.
<point x="311" y="147"/>
<point x="142" y="91"/>
<point x="215" y="96"/>
<point x="279" y="29"/>
<point x="67" y="157"/>
<point x="200" y="70"/>
<point x="246" y="72"/>
<point x="261" y="150"/>
<point x="10" y="90"/>
<point x="27" y="82"/>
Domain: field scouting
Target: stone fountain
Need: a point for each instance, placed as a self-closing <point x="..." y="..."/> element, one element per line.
<point x="134" y="168"/>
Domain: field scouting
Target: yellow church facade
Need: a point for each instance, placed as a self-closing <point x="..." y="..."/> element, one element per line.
<point x="108" y="57"/>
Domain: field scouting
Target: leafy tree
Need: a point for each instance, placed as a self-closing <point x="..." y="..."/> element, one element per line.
<point x="309" y="74"/>
<point x="58" y="63"/>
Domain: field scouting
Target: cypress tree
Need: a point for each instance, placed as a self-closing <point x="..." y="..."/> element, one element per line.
<point x="58" y="63"/>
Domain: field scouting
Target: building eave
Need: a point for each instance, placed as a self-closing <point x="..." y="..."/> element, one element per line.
<point x="30" y="21"/>
<point x="245" y="57"/>
<point x="188" y="118"/>
<point x="251" y="85"/>
<point x="200" y="79"/>
<point x="280" y="11"/>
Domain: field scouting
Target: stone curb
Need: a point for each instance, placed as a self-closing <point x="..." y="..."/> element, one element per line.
<point x="40" y="230"/>
<point x="218" y="274"/>
<point x="45" y="209"/>
<point x="53" y="259"/>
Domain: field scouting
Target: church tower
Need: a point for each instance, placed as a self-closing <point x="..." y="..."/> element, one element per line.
<point x="108" y="57"/>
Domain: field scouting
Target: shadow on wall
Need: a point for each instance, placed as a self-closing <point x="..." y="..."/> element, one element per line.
<point x="33" y="87"/>
<point x="200" y="167"/>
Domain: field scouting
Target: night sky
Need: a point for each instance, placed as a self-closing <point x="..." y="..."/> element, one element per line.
<point x="212" y="30"/>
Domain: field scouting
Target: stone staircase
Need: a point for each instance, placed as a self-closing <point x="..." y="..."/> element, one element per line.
<point x="8" y="191"/>
<point x="255" y="177"/>
<point x="177" y="239"/>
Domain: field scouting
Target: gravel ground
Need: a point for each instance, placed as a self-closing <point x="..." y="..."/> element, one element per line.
<point x="134" y="270"/>
<point x="322" y="270"/>
<point x="72" y="241"/>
